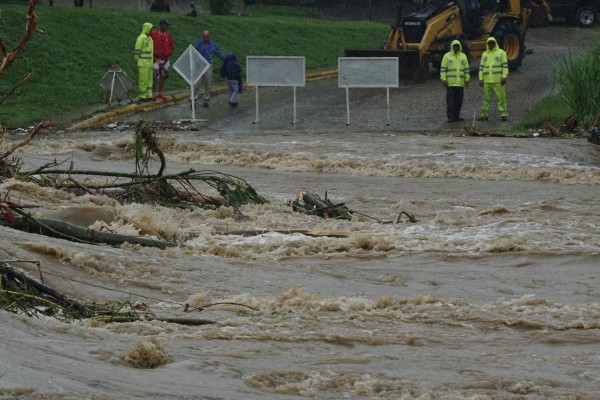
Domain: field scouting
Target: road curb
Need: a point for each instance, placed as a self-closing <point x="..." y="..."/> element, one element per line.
<point x="128" y="109"/>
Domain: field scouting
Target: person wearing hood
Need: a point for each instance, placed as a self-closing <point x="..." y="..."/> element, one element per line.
<point x="493" y="71"/>
<point x="454" y="73"/>
<point x="232" y="71"/>
<point x="143" y="56"/>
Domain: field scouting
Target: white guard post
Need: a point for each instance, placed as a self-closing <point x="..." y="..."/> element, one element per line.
<point x="275" y="71"/>
<point x="367" y="72"/>
<point x="191" y="66"/>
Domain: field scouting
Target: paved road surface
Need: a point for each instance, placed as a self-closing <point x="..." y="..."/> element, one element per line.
<point x="321" y="105"/>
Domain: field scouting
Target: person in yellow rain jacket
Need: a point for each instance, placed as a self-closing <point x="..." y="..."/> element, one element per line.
<point x="493" y="71"/>
<point x="454" y="73"/>
<point x="144" y="58"/>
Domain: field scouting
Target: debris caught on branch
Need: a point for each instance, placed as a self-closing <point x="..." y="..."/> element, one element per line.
<point x="18" y="293"/>
<point x="312" y="204"/>
<point x="176" y="190"/>
<point x="23" y="295"/>
<point x="144" y="145"/>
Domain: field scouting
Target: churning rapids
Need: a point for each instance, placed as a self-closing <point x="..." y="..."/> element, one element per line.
<point x="493" y="294"/>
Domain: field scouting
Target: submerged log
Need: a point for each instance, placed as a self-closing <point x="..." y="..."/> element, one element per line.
<point x="65" y="230"/>
<point x="306" y="232"/>
<point x="180" y="321"/>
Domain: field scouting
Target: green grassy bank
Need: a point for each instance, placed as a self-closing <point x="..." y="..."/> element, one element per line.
<point x="74" y="47"/>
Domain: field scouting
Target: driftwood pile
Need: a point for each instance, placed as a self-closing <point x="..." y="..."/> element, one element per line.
<point x="312" y="204"/>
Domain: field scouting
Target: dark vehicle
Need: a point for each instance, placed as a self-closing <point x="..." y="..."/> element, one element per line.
<point x="575" y="12"/>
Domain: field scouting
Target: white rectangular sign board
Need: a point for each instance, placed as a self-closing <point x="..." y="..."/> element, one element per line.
<point x="368" y="72"/>
<point x="275" y="71"/>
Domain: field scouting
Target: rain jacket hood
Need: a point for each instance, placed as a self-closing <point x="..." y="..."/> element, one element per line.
<point x="454" y="42"/>
<point x="491" y="39"/>
<point x="146" y="28"/>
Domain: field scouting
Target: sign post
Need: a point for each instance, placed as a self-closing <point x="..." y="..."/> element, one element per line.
<point x="367" y="72"/>
<point x="191" y="66"/>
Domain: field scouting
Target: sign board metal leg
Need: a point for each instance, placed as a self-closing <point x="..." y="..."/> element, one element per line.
<point x="388" y="103"/>
<point x="348" y="106"/>
<point x="112" y="87"/>
<point x="256" y="120"/>
<point x="293" y="122"/>
<point x="193" y="103"/>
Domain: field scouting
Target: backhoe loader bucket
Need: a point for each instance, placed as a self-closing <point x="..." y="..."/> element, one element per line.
<point x="409" y="63"/>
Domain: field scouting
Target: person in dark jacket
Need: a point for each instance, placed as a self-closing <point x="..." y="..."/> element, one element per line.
<point x="207" y="49"/>
<point x="232" y="71"/>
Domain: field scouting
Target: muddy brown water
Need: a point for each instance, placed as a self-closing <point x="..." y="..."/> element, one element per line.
<point x="492" y="294"/>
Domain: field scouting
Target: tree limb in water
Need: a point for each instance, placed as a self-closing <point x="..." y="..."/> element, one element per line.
<point x="65" y="230"/>
<point x="24" y="142"/>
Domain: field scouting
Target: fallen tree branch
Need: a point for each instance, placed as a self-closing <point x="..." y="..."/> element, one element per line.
<point x="45" y="291"/>
<point x="306" y="232"/>
<point x="38" y="127"/>
<point x="65" y="230"/>
<point x="180" y="321"/>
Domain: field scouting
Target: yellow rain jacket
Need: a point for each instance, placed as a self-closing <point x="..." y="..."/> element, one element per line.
<point x="494" y="65"/>
<point x="144" y="47"/>
<point x="455" y="67"/>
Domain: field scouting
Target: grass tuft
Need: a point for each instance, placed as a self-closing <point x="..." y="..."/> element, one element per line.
<point x="578" y="79"/>
<point x="551" y="110"/>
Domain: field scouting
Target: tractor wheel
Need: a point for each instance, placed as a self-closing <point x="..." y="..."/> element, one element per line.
<point x="585" y="17"/>
<point x="510" y="39"/>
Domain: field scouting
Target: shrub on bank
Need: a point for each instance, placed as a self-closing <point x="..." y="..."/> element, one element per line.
<point x="578" y="80"/>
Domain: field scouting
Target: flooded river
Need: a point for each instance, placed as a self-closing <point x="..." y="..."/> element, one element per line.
<point x="492" y="294"/>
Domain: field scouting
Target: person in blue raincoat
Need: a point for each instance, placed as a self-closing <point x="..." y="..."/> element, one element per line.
<point x="232" y="71"/>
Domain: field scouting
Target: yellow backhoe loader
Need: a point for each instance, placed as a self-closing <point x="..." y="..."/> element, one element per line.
<point x="422" y="37"/>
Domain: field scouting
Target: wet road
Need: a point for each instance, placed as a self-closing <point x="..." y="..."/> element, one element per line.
<point x="321" y="105"/>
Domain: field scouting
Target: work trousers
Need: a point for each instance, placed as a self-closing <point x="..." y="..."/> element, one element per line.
<point x="233" y="86"/>
<point x="499" y="90"/>
<point x="206" y="79"/>
<point x="145" y="82"/>
<point x="454" y="101"/>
